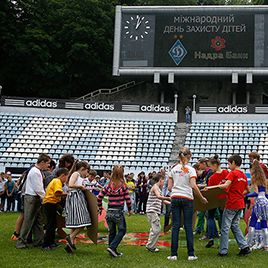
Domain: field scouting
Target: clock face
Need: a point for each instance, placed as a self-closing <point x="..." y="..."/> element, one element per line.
<point x="136" y="27"/>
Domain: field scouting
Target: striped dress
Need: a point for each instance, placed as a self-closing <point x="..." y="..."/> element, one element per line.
<point x="77" y="214"/>
<point x="154" y="204"/>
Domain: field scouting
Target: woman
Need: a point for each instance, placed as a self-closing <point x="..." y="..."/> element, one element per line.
<point x="181" y="184"/>
<point x="77" y="215"/>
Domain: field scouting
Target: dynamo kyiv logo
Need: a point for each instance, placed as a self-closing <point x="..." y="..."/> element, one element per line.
<point x="177" y="52"/>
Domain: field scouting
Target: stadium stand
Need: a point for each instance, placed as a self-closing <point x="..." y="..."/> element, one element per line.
<point x="136" y="144"/>
<point x="226" y="138"/>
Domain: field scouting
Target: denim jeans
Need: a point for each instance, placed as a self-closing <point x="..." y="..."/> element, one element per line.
<point x="115" y="219"/>
<point x="231" y="220"/>
<point x="184" y="205"/>
<point x="212" y="228"/>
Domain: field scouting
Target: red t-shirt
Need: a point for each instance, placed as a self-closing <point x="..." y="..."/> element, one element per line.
<point x="235" y="193"/>
<point x="219" y="178"/>
<point x="265" y="169"/>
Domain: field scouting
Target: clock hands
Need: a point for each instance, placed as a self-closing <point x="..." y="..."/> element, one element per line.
<point x="139" y="22"/>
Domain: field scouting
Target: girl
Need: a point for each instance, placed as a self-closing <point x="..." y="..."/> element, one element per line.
<point x="142" y="186"/>
<point x="131" y="190"/>
<point x="181" y="184"/>
<point x="117" y="193"/>
<point x="259" y="217"/>
<point x="77" y="215"/>
<point x="218" y="177"/>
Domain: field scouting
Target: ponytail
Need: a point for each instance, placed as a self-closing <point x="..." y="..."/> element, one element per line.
<point x="184" y="155"/>
<point x="215" y="160"/>
<point x="257" y="174"/>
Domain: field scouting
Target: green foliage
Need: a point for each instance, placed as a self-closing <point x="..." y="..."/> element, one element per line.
<point x="59" y="48"/>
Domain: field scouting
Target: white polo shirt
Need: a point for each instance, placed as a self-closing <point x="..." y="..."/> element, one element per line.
<point x="181" y="181"/>
<point x="34" y="183"/>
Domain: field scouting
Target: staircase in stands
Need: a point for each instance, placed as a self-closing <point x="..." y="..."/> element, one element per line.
<point x="109" y="91"/>
<point x="181" y="131"/>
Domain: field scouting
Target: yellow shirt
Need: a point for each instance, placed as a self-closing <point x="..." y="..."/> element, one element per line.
<point x="54" y="186"/>
<point x="131" y="186"/>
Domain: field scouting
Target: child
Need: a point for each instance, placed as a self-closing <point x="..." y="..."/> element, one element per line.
<point x="77" y="215"/>
<point x="10" y="192"/>
<point x="259" y="217"/>
<point x="131" y="189"/>
<point x="153" y="210"/>
<point x="53" y="196"/>
<point x="236" y="184"/>
<point x="218" y="177"/>
<point x="117" y="192"/>
<point x="93" y="184"/>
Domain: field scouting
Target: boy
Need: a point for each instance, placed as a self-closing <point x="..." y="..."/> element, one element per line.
<point x="52" y="197"/>
<point x="10" y="191"/>
<point x="236" y="185"/>
<point x="153" y="210"/>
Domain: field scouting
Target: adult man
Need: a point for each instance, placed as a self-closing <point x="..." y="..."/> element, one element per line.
<point x="188" y="115"/>
<point x="34" y="193"/>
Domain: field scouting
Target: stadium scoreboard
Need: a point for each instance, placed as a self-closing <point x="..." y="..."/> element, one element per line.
<point x="191" y="40"/>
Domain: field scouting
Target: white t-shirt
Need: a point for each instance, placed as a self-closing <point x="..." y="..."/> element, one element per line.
<point x="181" y="179"/>
<point x="34" y="183"/>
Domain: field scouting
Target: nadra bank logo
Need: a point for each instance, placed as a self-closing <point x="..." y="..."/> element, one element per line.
<point x="233" y="109"/>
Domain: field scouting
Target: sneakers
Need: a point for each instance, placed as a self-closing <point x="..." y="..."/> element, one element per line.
<point x="192" y="258"/>
<point x="119" y="254"/>
<point x="210" y="244"/>
<point x="112" y="252"/>
<point x="20" y="244"/>
<point x="47" y="248"/>
<point x="172" y="258"/>
<point x="153" y="250"/>
<point x="204" y="237"/>
<point x="244" y="251"/>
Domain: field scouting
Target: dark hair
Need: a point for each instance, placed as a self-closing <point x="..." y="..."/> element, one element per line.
<point x="215" y="160"/>
<point x="236" y="159"/>
<point x="203" y="160"/>
<point x="43" y="158"/>
<point x="61" y="171"/>
<point x="196" y="166"/>
<point x="92" y="172"/>
<point x="66" y="158"/>
<point x="254" y="155"/>
<point x="52" y="164"/>
<point x="81" y="164"/>
<point x="158" y="177"/>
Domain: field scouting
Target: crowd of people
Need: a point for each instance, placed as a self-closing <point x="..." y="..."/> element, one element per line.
<point x="45" y="188"/>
